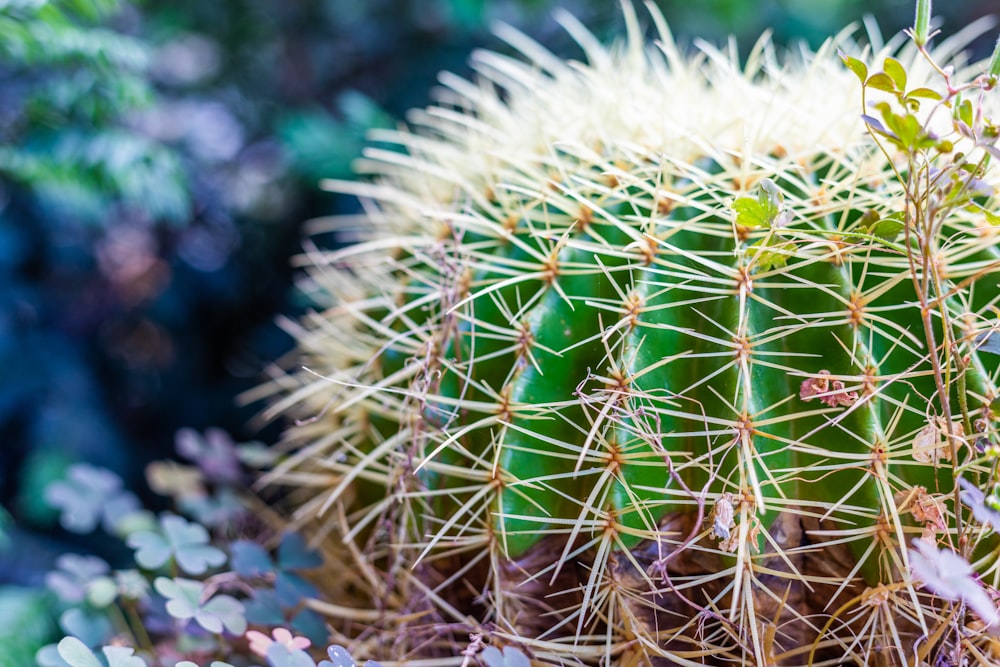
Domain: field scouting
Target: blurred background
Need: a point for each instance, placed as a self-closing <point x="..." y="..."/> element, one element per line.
<point x="157" y="162"/>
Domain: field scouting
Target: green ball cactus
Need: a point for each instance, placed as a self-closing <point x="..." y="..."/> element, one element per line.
<point x="658" y="359"/>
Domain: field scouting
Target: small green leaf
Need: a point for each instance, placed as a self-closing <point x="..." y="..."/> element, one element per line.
<point x="881" y="81"/>
<point x="907" y="128"/>
<point x="896" y="72"/>
<point x="762" y="211"/>
<point x="887" y="228"/>
<point x="859" y="68"/>
<point x="868" y="218"/>
<point x="904" y="130"/>
<point x="925" y="93"/>
<point x="750" y="213"/>
<point x="963" y="112"/>
<point x="770" y="255"/>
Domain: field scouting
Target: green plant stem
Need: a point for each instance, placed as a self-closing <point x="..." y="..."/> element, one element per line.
<point x="138" y="628"/>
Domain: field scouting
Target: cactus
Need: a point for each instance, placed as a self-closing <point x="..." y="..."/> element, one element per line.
<point x="663" y="359"/>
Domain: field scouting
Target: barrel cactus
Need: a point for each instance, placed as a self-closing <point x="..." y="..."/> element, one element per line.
<point x="659" y="358"/>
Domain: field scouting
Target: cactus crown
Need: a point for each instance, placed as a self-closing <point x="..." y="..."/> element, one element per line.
<point x="657" y="359"/>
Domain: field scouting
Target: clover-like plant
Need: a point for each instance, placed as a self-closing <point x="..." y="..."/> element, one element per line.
<point x="152" y="607"/>
<point x="278" y="589"/>
<point x="179" y="541"/>
<point x="187" y="599"/>
<point x="90" y="497"/>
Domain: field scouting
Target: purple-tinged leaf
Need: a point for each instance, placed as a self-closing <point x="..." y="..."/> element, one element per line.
<point x="988" y="341"/>
<point x="949" y="576"/>
<point x="973" y="498"/>
<point x="992" y="150"/>
<point x="214" y="452"/>
<point x="876" y="125"/>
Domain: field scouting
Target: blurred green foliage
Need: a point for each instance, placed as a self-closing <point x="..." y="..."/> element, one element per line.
<point x="69" y="85"/>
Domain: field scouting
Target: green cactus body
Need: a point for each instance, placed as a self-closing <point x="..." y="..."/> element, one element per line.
<point x="560" y="338"/>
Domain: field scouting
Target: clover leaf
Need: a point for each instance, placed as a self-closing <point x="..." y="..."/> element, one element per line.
<point x="48" y="656"/>
<point x="87" y="625"/>
<point x="770" y="253"/>
<point x="264" y="608"/>
<point x="181" y="540"/>
<point x="223" y="507"/>
<point x="90" y="496"/>
<point x="339" y="657"/>
<point x="121" y="656"/>
<point x="279" y="655"/>
<point x="292" y="589"/>
<point x="249" y="559"/>
<point x="73" y="576"/>
<point x="311" y="625"/>
<point x="184" y="602"/>
<point x="131" y="584"/>
<point x="76" y="653"/>
<point x="293" y="554"/>
<point x="213" y="452"/>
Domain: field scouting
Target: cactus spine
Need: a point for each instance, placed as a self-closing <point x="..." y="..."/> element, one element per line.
<point x="656" y="359"/>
